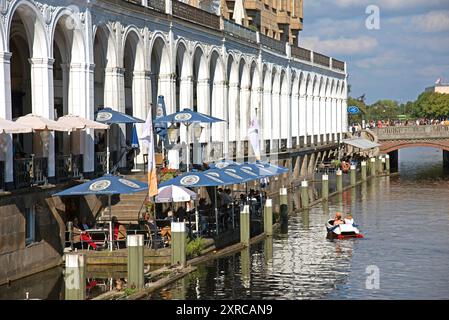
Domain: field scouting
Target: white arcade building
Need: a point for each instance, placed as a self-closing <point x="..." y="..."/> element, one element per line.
<point x="76" y="57"/>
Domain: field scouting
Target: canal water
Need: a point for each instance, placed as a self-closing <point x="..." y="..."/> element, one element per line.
<point x="404" y="255"/>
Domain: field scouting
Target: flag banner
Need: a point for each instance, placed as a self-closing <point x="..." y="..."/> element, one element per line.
<point x="254" y="135"/>
<point x="148" y="136"/>
<point x="161" y="128"/>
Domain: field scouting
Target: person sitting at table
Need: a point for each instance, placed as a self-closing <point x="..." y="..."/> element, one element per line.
<point x="119" y="232"/>
<point x="181" y="213"/>
<point x="81" y="239"/>
<point x="84" y="224"/>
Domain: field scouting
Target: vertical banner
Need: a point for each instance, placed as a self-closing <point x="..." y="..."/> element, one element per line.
<point x="161" y="128"/>
<point x="148" y="136"/>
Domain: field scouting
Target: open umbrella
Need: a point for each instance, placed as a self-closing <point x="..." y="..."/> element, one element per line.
<point x="38" y="123"/>
<point x="109" y="116"/>
<point x="79" y="123"/>
<point x="223" y="164"/>
<point x="175" y="194"/>
<point x="188" y="117"/>
<point x="195" y="180"/>
<point x="108" y="185"/>
<point x="11" y="127"/>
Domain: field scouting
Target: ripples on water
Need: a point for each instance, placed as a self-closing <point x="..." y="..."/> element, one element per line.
<point x="406" y="227"/>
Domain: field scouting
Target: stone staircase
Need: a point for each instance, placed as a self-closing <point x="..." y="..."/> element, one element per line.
<point x="128" y="208"/>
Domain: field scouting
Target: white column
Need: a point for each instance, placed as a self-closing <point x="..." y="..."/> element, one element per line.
<point x="43" y="101"/>
<point x="81" y="102"/>
<point x="267" y="100"/>
<point x="6" y="153"/>
<point x="328" y="110"/>
<point x="285" y="118"/>
<point x="316" y="117"/>
<point x="185" y="101"/>
<point x="141" y="102"/>
<point x="234" y="102"/>
<point x="295" y="116"/>
<point x="203" y="97"/>
<point x="276" y="112"/>
<point x="323" y="116"/>
<point x="245" y="103"/>
<point x="309" y="121"/>
<point x="218" y="111"/>
<point x="339" y="116"/>
<point x="167" y="88"/>
<point x="334" y="115"/>
<point x="344" y="114"/>
<point x="302" y="116"/>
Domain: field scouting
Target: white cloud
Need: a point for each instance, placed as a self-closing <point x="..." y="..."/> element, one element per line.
<point x="434" y="21"/>
<point x="340" y="46"/>
<point x="385" y="59"/>
<point x="390" y="4"/>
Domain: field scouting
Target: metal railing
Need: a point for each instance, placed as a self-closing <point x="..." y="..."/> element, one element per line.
<point x="77" y="165"/>
<point x="301" y="53"/>
<point x="40" y="170"/>
<point x="23" y="172"/>
<point x="158" y="5"/>
<point x="63" y="167"/>
<point x="100" y="163"/>
<point x="272" y="43"/>
<point x="239" y="31"/>
<point x="321" y="59"/>
<point x="412" y="132"/>
<point x="337" y="64"/>
<point x="197" y="15"/>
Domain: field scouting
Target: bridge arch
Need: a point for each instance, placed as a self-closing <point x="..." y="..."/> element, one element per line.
<point x="391" y="147"/>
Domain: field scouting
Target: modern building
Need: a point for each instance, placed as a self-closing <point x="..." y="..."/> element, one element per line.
<point x="281" y="20"/>
<point x="439" y="88"/>
<point x="60" y="57"/>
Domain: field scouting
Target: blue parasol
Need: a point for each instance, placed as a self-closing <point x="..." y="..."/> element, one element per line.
<point x="187" y="116"/>
<point x="108" y="185"/>
<point x="223" y="164"/>
<point x="196" y="180"/>
<point x="109" y="116"/>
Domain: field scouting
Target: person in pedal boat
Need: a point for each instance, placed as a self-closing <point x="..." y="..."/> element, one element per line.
<point x="338" y="220"/>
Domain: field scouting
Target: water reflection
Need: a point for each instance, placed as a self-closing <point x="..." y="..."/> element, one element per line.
<point x="302" y="264"/>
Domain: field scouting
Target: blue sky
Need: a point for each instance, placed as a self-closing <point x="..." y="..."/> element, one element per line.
<point x="408" y="53"/>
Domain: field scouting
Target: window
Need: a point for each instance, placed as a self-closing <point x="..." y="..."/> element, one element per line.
<point x="30" y="225"/>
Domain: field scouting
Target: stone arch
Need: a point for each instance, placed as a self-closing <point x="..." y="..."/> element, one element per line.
<point x="218" y="101"/>
<point x="162" y="79"/>
<point x="387" y="147"/>
<point x="232" y="72"/>
<point x="106" y="61"/>
<point x="284" y="119"/>
<point x="276" y="104"/>
<point x="267" y="101"/>
<point x="245" y="96"/>
<point x="183" y="69"/>
<point x="34" y="24"/>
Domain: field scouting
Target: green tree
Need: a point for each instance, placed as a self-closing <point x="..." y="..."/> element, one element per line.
<point x="431" y="105"/>
<point x="383" y="110"/>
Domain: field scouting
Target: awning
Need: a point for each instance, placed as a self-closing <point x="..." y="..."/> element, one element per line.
<point x="361" y="143"/>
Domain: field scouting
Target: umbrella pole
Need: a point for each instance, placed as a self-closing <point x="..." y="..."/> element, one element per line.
<point x="216" y="212"/>
<point x="188" y="148"/>
<point x="108" y="154"/>
<point x="110" y="224"/>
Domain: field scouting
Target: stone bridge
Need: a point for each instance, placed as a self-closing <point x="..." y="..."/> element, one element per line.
<point x="392" y="139"/>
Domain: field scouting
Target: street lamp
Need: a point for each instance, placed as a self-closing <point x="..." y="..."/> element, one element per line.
<point x="173" y="133"/>
<point x="198" y="131"/>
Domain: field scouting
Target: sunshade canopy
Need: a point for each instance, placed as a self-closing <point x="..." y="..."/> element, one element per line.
<point x="195" y="180"/>
<point x="223" y="164"/>
<point x="38" y="123"/>
<point x="106" y="185"/>
<point x="10" y="127"/>
<point x="109" y="116"/>
<point x="79" y="123"/>
<point x="274" y="169"/>
<point x="175" y="194"/>
<point x="187" y="116"/>
<point x="361" y="143"/>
